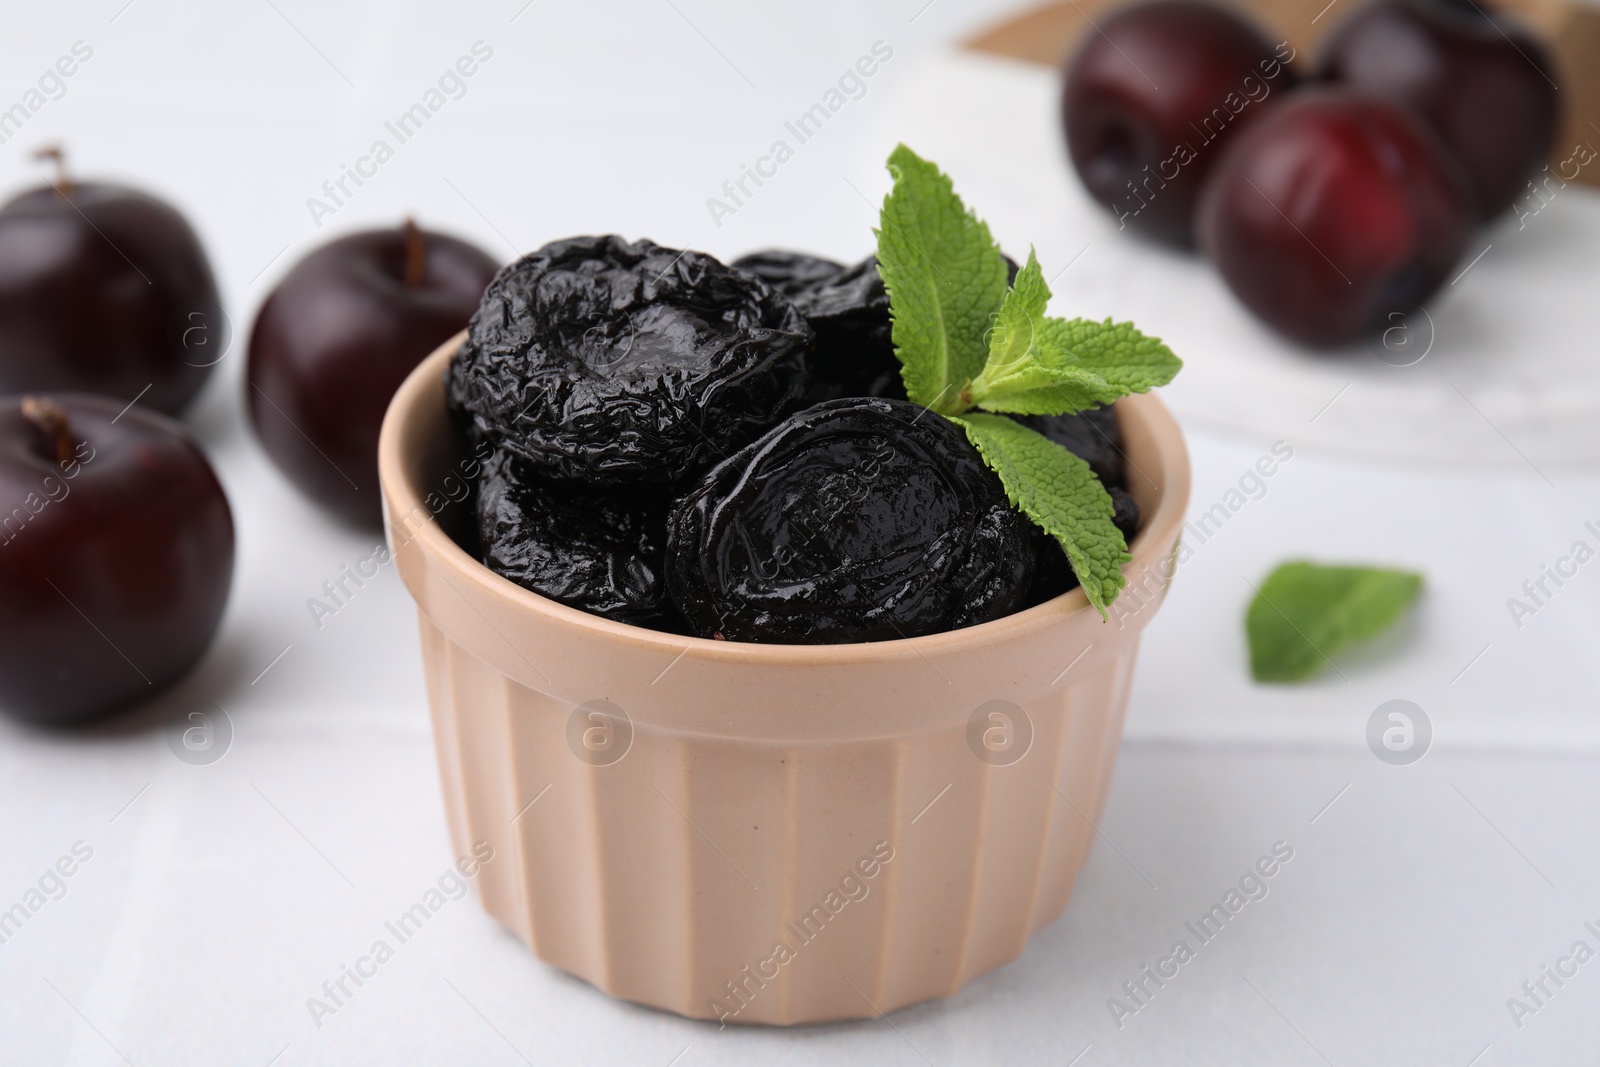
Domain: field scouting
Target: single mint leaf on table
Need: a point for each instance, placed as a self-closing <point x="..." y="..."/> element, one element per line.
<point x="946" y="281"/>
<point x="1306" y="612"/>
<point x="1058" y="491"/>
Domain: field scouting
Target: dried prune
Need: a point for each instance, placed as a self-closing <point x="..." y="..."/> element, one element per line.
<point x="860" y="519"/>
<point x="848" y="308"/>
<point x="790" y="273"/>
<point x="1052" y="571"/>
<point x="1094" y="436"/>
<point x="587" y="548"/>
<point x="1125" y="512"/>
<point x="855" y="349"/>
<point x="611" y="363"/>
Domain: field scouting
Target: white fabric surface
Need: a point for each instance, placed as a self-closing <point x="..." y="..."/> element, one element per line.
<point x="219" y="898"/>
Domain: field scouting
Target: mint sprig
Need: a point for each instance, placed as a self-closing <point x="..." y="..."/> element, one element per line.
<point x="968" y="341"/>
<point x="1306" y="612"/>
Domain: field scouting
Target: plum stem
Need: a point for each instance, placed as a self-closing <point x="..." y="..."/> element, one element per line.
<point x="63" y="181"/>
<point x="49" y="419"/>
<point x="416" y="253"/>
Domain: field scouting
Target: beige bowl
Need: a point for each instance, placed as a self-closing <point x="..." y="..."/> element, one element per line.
<point x="766" y="833"/>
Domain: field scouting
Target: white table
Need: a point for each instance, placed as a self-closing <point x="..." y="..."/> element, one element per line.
<point x="218" y="898"/>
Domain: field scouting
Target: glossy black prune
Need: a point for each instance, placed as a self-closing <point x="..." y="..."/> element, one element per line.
<point x="611" y="363"/>
<point x="1125" y="513"/>
<point x="855" y="347"/>
<point x="861" y="519"/>
<point x="1052" y="571"/>
<point x="1094" y="436"/>
<point x="790" y="273"/>
<point x="848" y="308"/>
<point x="589" y="549"/>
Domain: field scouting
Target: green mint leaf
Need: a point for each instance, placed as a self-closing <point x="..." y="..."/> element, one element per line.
<point x="1306" y="612"/>
<point x="1074" y="365"/>
<point x="946" y="281"/>
<point x="1041" y="389"/>
<point x="1117" y="352"/>
<point x="1030" y="372"/>
<point x="1016" y="326"/>
<point x="1058" y="491"/>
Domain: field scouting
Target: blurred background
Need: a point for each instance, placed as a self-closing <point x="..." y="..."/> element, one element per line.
<point x="221" y="896"/>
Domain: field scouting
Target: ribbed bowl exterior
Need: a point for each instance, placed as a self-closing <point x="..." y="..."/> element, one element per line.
<point x="767" y="834"/>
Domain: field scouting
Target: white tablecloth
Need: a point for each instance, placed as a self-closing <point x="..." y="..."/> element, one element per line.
<point x="216" y="899"/>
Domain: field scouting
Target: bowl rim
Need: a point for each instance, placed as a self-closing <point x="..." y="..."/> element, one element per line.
<point x="1156" y="539"/>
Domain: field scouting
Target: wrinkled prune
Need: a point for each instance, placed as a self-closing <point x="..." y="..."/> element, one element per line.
<point x="1094" y="436"/>
<point x="1125" y="513"/>
<point x="855" y="520"/>
<point x="1052" y="571"/>
<point x="855" y="348"/>
<point x="587" y="548"/>
<point x="790" y="273"/>
<point x="848" y="308"/>
<point x="606" y="362"/>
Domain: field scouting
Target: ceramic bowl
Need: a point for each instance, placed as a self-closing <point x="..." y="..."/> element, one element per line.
<point x="765" y="833"/>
